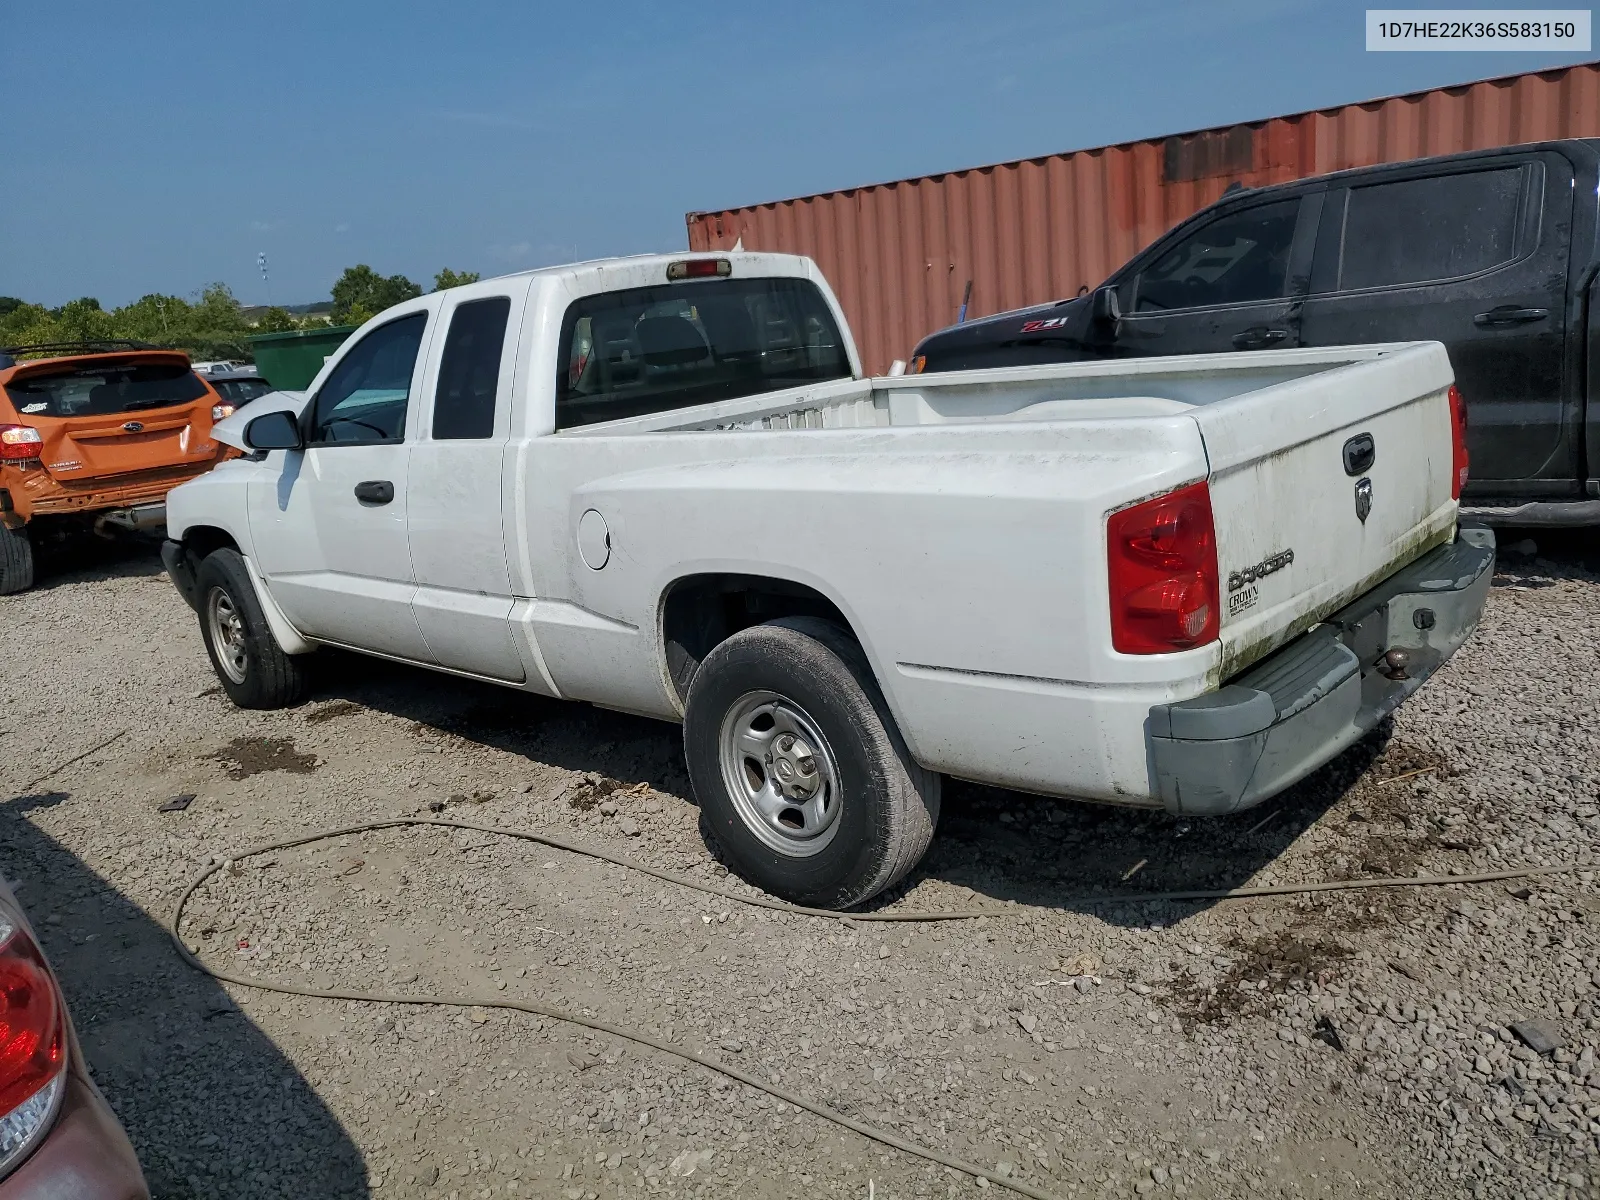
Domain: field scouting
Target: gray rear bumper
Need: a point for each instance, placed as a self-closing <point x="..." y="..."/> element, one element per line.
<point x="1295" y="710"/>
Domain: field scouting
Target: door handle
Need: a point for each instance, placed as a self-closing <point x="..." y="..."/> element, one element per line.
<point x="1259" y="337"/>
<point x="375" y="491"/>
<point x="1509" y="314"/>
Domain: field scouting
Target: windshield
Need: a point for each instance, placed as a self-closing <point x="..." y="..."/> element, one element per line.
<point x="653" y="349"/>
<point x="94" y="390"/>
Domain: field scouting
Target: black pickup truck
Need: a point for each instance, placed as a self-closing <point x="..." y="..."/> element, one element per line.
<point x="1494" y="253"/>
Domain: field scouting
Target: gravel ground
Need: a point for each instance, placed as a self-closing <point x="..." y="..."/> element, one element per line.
<point x="1157" y="1049"/>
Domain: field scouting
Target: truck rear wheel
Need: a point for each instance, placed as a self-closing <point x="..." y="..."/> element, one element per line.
<point x="799" y="769"/>
<point x="16" y="560"/>
<point x="250" y="665"/>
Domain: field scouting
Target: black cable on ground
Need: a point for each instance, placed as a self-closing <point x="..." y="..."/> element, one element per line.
<point x="872" y="1132"/>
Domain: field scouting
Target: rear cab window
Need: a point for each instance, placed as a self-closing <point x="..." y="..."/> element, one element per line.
<point x="656" y="349"/>
<point x="99" y="390"/>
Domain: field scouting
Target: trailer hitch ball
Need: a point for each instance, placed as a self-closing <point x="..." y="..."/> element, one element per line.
<point x="1394" y="664"/>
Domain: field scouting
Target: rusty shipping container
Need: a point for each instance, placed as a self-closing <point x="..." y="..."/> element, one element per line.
<point x="900" y="254"/>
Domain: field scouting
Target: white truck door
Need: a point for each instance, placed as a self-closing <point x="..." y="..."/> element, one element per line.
<point x="463" y="598"/>
<point x="330" y="530"/>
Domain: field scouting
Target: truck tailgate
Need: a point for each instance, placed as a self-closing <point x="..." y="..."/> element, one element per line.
<point x="1304" y="522"/>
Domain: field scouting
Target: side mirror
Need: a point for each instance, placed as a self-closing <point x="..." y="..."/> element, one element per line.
<point x="1104" y="307"/>
<point x="273" y="431"/>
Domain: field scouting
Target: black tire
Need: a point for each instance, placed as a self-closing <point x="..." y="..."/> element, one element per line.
<point x="887" y="804"/>
<point x="16" y="560"/>
<point x="266" y="676"/>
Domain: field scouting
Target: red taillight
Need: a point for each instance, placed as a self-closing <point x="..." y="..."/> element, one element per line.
<point x="33" y="1044"/>
<point x="1458" y="442"/>
<point x="1161" y="557"/>
<point x="699" y="268"/>
<point x="18" y="443"/>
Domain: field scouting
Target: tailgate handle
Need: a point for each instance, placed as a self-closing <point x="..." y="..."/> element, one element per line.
<point x="375" y="491"/>
<point x="1360" y="452"/>
<point x="1259" y="337"/>
<point x="1509" y="314"/>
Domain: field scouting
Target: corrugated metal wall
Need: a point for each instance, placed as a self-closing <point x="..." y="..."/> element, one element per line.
<point x="899" y="254"/>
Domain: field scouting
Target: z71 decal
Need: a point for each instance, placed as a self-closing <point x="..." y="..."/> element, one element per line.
<point x="1037" y="326"/>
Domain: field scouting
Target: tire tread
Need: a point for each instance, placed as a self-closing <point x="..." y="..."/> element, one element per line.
<point x="16" y="561"/>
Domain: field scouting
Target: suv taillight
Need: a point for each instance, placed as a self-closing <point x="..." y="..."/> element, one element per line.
<point x="1161" y="557"/>
<point x="19" y="443"/>
<point x="33" y="1044"/>
<point x="1458" y="442"/>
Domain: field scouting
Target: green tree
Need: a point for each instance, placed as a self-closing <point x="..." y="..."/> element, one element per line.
<point x="155" y="318"/>
<point x="9" y="305"/>
<point x="449" y="279"/>
<point x="361" y="294"/>
<point x="82" y="320"/>
<point x="277" y="319"/>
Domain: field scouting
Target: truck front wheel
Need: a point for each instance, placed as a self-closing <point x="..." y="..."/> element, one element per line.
<point x="16" y="560"/>
<point x="799" y="769"/>
<point x="251" y="666"/>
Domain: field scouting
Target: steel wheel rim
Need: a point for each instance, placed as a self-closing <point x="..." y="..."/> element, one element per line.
<point x="227" y="634"/>
<point x="780" y="773"/>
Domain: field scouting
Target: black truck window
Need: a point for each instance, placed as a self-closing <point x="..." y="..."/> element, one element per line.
<point x="469" y="372"/>
<point x="1236" y="259"/>
<point x="1424" y="230"/>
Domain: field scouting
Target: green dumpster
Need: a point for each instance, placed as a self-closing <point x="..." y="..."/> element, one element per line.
<point x="291" y="360"/>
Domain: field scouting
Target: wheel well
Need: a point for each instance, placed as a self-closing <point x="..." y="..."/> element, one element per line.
<point x="701" y="611"/>
<point x="202" y="540"/>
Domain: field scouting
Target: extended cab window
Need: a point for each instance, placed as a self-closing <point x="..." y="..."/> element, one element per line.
<point x="469" y="373"/>
<point x="655" y="349"/>
<point x="1236" y="259"/>
<point x="364" y="399"/>
<point x="93" y="391"/>
<point x="1423" y="230"/>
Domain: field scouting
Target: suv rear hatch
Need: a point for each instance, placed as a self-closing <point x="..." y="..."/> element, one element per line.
<point x="110" y="415"/>
<point x="1323" y="486"/>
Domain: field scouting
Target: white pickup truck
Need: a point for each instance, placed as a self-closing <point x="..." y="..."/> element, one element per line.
<point x="662" y="485"/>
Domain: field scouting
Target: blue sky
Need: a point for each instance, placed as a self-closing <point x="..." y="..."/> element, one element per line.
<point x="160" y="147"/>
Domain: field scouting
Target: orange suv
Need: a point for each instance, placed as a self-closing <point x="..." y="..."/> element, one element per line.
<point x="92" y="437"/>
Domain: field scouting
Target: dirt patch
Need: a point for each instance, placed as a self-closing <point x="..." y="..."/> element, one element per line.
<point x="244" y="757"/>
<point x="1261" y="967"/>
<point x="329" y="712"/>
<point x="591" y="791"/>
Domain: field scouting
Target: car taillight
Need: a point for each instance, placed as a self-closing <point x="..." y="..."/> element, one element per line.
<point x="1161" y="557"/>
<point x="1458" y="442"/>
<point x="219" y="411"/>
<point x="18" y="443"/>
<point x="917" y="365"/>
<point x="33" y="1044"/>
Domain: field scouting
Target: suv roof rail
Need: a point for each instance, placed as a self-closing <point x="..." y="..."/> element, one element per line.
<point x="89" y="346"/>
<point x="8" y="354"/>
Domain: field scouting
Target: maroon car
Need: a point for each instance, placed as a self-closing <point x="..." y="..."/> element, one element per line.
<point x="58" y="1136"/>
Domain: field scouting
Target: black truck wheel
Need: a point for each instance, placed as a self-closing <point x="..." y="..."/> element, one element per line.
<point x="251" y="666"/>
<point x="799" y="768"/>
